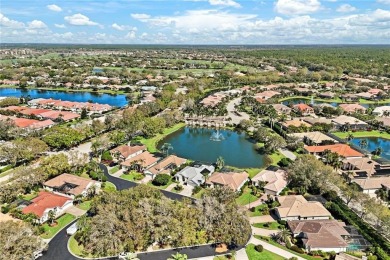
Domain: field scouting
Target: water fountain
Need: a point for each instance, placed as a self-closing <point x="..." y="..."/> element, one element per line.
<point x="217" y="136"/>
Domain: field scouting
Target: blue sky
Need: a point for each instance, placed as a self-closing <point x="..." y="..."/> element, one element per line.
<point x="196" y="21"/>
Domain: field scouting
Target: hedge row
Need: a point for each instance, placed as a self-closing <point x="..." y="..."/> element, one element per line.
<point x="340" y="211"/>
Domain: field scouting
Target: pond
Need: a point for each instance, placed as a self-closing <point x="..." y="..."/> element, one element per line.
<point x="196" y="144"/>
<point x="373" y="143"/>
<point x="113" y="100"/>
<point x="295" y="101"/>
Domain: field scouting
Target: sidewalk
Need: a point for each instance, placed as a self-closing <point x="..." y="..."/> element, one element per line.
<point x="273" y="248"/>
<point x="240" y="255"/>
<point x="288" y="154"/>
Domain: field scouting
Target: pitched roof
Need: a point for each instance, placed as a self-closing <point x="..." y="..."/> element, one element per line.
<point x="343" y="119"/>
<point x="373" y="183"/>
<point x="161" y="165"/>
<point x="231" y="179"/>
<point x="352" y="107"/>
<point x="127" y="150"/>
<point x="303" y="107"/>
<point x="341" y="149"/>
<point x="44" y="201"/>
<point x="195" y="174"/>
<point x="295" y="122"/>
<point x="298" y="206"/>
<point x="63" y="179"/>
<point x="320" y="233"/>
<point x="316" y="137"/>
<point x="144" y="159"/>
<point x="276" y="180"/>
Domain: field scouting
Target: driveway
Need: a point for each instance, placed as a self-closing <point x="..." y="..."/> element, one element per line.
<point x="236" y="118"/>
<point x="75" y="211"/>
<point x="288" y="154"/>
<point x="262" y="219"/>
<point x="187" y="190"/>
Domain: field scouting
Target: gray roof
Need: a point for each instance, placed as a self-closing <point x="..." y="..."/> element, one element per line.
<point x="194" y="174"/>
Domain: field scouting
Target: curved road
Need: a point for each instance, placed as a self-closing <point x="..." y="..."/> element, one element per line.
<point x="58" y="246"/>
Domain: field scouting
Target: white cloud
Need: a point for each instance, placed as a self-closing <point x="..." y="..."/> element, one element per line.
<point x="229" y="3"/>
<point x="346" y="8"/>
<point x="140" y="16"/>
<point x="79" y="20"/>
<point x="54" y="8"/>
<point x="297" y="7"/>
<point x="6" y="22"/>
<point x="130" y="35"/>
<point x="386" y="2"/>
<point x="118" y="27"/>
<point x="36" y="24"/>
<point x="62" y="26"/>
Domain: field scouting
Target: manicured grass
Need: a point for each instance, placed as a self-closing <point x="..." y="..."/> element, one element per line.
<point x="132" y="176"/>
<point x="246" y="197"/>
<point x="30" y="196"/>
<point x="114" y="169"/>
<point x="61" y="222"/>
<point x="270" y="225"/>
<point x="86" y="205"/>
<point x="330" y="100"/>
<point x="222" y="257"/>
<point x="199" y="194"/>
<point x="364" y="101"/>
<point x="77" y="249"/>
<point x="265" y="255"/>
<point x="276" y="157"/>
<point x="258" y="211"/>
<point x="109" y="186"/>
<point x="151" y="143"/>
<point x="272" y="242"/>
<point x="251" y="171"/>
<point x="160" y="187"/>
<point x="374" y="133"/>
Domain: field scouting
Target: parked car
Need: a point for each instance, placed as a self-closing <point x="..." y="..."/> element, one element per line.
<point x="72" y="229"/>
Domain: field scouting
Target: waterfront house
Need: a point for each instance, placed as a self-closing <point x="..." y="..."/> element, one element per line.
<point x="371" y="185"/>
<point x="303" y="109"/>
<point x="314" y="138"/>
<point x="166" y="166"/>
<point x="140" y="162"/>
<point x="382" y="111"/>
<point x="344" y="122"/>
<point x="342" y="150"/>
<point x="124" y="152"/>
<point x="233" y="180"/>
<point x="273" y="178"/>
<point x="194" y="175"/>
<point x="282" y="109"/>
<point x="352" y="108"/>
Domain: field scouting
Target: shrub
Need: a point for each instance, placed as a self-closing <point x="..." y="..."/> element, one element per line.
<point x="284" y="162"/>
<point x="178" y="187"/>
<point x="106" y="156"/>
<point x="138" y="177"/>
<point x="104" y="178"/>
<point x="161" y="179"/>
<point x="266" y="225"/>
<point x="293" y="258"/>
<point x="259" y="248"/>
<point x="5" y="209"/>
<point x="282" y="222"/>
<point x="196" y="190"/>
<point x="297" y="249"/>
<point x="6" y="168"/>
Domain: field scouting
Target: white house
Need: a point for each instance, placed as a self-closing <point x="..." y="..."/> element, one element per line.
<point x="194" y="175"/>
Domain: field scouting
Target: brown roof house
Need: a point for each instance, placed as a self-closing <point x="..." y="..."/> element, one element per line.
<point x="275" y="180"/>
<point x="233" y="180"/>
<point x="352" y="108"/>
<point x="281" y="109"/>
<point x="140" y="162"/>
<point x="303" y="109"/>
<point x="166" y="165"/>
<point x="296" y="207"/>
<point x="71" y="185"/>
<point x="124" y="152"/>
<point x="371" y="185"/>
<point x="325" y="235"/>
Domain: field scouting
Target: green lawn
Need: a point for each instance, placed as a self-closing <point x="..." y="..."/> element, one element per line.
<point x="151" y="143"/>
<point x="222" y="257"/>
<point x="86" y="205"/>
<point x="109" y="186"/>
<point x="358" y="134"/>
<point x="270" y="225"/>
<point x="160" y="187"/>
<point x="30" y="196"/>
<point x="272" y="242"/>
<point x="77" y="249"/>
<point x="276" y="157"/>
<point x="330" y="100"/>
<point x="132" y="176"/>
<point x="199" y="194"/>
<point x="265" y="255"/>
<point x="246" y="197"/>
<point x="61" y="222"/>
<point x="251" y="171"/>
<point x="114" y="169"/>
<point x="258" y="212"/>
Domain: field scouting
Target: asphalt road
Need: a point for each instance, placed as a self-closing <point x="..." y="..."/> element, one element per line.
<point x="58" y="246"/>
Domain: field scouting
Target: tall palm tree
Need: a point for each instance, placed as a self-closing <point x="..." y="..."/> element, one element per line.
<point x="220" y="162"/>
<point x="283" y="236"/>
<point x="166" y="147"/>
<point x="350" y="137"/>
<point x="363" y="143"/>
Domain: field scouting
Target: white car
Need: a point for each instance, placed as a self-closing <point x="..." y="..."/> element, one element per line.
<point x="72" y="229"/>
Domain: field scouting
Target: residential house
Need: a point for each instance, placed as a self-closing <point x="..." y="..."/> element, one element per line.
<point x="317" y="120"/>
<point x="140" y="162"/>
<point x="304" y="109"/>
<point x="267" y="94"/>
<point x="350" y="97"/>
<point x="314" y="138"/>
<point x="46" y="202"/>
<point x="296" y="207"/>
<point x="325" y="235"/>
<point x="382" y="111"/>
<point x="124" y="152"/>
<point x="274" y="179"/>
<point x="344" y="122"/>
<point x="342" y="150"/>
<point x="282" y="109"/>
<point x="71" y="185"/>
<point x="295" y="122"/>
<point x="327" y="94"/>
<point x="352" y="108"/>
<point x="365" y="95"/>
<point x="233" y="180"/>
<point x="194" y="175"/>
<point x="166" y="165"/>
<point x="365" y="167"/>
<point x="371" y="185"/>
<point x="375" y="91"/>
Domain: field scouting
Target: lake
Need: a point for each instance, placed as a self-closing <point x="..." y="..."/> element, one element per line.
<point x="295" y="101"/>
<point x="375" y="142"/>
<point x="113" y="100"/>
<point x="195" y="144"/>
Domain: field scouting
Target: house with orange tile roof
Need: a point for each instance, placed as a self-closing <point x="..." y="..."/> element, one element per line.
<point x="71" y="185"/>
<point x="124" y="152"/>
<point x="165" y="166"/>
<point x="46" y="202"/>
<point x="304" y="109"/>
<point x="267" y="94"/>
<point x="352" y="108"/>
<point x="233" y="180"/>
<point x="342" y="150"/>
<point x="140" y="162"/>
<point x="296" y="207"/>
<point x="297" y="122"/>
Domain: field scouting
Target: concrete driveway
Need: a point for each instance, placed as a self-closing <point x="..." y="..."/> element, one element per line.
<point x="262" y="219"/>
<point x="75" y="211"/>
<point x="236" y="118"/>
<point x="187" y="190"/>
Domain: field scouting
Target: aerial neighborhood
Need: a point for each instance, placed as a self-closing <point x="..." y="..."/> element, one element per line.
<point x="225" y="153"/>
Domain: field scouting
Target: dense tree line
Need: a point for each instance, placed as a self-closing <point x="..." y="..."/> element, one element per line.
<point x="133" y="219"/>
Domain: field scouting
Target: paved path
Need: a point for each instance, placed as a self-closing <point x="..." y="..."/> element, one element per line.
<point x="257" y="202"/>
<point x="288" y="154"/>
<point x="231" y="111"/>
<point x="273" y="248"/>
<point x="263" y="232"/>
<point x="6" y="177"/>
<point x="75" y="211"/>
<point x="261" y="219"/>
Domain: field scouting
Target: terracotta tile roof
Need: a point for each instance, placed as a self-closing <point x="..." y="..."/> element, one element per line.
<point x="342" y="149"/>
<point x="303" y="107"/>
<point x="373" y="183"/>
<point x="66" y="116"/>
<point x="144" y="159"/>
<point x="231" y="179"/>
<point x="161" y="165"/>
<point x="34" y="111"/>
<point x="24" y="122"/>
<point x="44" y="201"/>
<point x="276" y="180"/>
<point x="81" y="183"/>
<point x="295" y="122"/>
<point x="15" y="108"/>
<point x="42" y="124"/>
<point x="298" y="206"/>
<point x="352" y="107"/>
<point x="126" y="150"/>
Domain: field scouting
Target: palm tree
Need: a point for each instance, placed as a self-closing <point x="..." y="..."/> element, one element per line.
<point x="51" y="215"/>
<point x="220" y="162"/>
<point x="363" y="143"/>
<point x="166" y="147"/>
<point x="178" y="256"/>
<point x="283" y="236"/>
<point x="350" y="137"/>
<point x="378" y="151"/>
